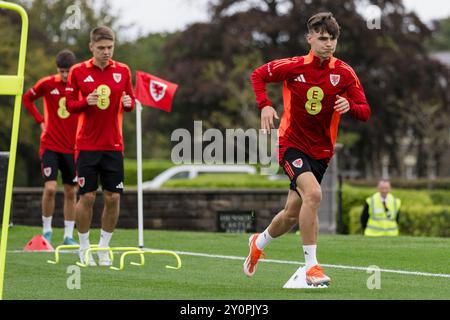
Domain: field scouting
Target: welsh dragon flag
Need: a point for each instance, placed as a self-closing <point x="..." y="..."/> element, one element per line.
<point x="154" y="92"/>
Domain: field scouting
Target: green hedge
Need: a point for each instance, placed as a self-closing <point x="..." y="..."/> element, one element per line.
<point x="352" y="197"/>
<point x="425" y="221"/>
<point x="150" y="169"/>
<point x="431" y="221"/>
<point x="233" y="180"/>
<point x="354" y="224"/>
<point x="441" y="183"/>
<point x="441" y="197"/>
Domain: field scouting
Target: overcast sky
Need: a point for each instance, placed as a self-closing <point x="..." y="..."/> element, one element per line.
<point x="172" y="15"/>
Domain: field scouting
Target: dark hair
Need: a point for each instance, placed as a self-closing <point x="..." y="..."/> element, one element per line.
<point x="324" y="22"/>
<point x="65" y="59"/>
<point x="102" y="33"/>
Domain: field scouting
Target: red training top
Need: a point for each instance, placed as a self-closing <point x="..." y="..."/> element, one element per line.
<point x="100" y="126"/>
<point x="60" y="125"/>
<point x="309" y="122"/>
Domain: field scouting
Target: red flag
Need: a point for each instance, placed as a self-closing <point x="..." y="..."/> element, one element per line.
<point x="154" y="92"/>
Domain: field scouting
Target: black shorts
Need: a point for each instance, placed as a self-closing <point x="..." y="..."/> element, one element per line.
<point x="296" y="162"/>
<point x="108" y="165"/>
<point x="53" y="161"/>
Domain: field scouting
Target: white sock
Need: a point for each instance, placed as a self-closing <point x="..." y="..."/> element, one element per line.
<point x="84" y="240"/>
<point x="105" y="237"/>
<point x="68" y="228"/>
<point x="263" y="239"/>
<point x="310" y="255"/>
<point x="46" y="224"/>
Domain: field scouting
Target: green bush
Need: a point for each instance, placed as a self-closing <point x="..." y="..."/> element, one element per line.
<point x="441" y="197"/>
<point x="441" y="183"/>
<point x="233" y="180"/>
<point x="352" y="197"/>
<point x="150" y="169"/>
<point x="426" y="221"/>
<point x="354" y="226"/>
<point x="430" y="221"/>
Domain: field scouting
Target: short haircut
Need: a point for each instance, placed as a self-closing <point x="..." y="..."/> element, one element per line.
<point x="65" y="59"/>
<point x="324" y="22"/>
<point x="102" y="33"/>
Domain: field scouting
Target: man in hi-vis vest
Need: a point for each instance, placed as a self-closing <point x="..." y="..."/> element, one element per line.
<point x="381" y="212"/>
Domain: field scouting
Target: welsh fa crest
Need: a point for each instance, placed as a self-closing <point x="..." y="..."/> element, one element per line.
<point x="117" y="77"/>
<point x="298" y="163"/>
<point x="157" y="90"/>
<point x="334" y="79"/>
<point x="47" y="171"/>
<point x="81" y="181"/>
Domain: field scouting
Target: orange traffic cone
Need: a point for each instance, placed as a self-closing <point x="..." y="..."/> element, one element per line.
<point x="38" y="243"/>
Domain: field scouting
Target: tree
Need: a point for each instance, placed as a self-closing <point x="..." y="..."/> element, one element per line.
<point x="441" y="39"/>
<point x="48" y="34"/>
<point x="212" y="62"/>
<point x="400" y="79"/>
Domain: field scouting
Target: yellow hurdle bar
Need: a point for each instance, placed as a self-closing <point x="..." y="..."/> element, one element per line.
<point x="66" y="247"/>
<point x="141" y="253"/>
<point x="129" y="251"/>
<point x="13" y="86"/>
<point x="109" y="249"/>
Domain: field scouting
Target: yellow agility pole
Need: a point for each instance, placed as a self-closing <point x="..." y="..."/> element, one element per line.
<point x="12" y="86"/>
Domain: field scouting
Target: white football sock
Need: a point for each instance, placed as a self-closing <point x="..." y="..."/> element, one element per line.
<point x="46" y="224"/>
<point x="310" y="255"/>
<point x="105" y="237"/>
<point x="263" y="239"/>
<point x="84" y="240"/>
<point x="68" y="228"/>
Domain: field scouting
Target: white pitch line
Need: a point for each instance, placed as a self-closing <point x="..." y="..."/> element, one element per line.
<point x="206" y="255"/>
<point x="426" y="274"/>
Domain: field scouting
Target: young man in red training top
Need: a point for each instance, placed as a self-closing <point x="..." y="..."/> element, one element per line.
<point x="99" y="90"/>
<point x="57" y="144"/>
<point x="317" y="89"/>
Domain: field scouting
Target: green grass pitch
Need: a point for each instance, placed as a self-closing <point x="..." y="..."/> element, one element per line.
<point x="208" y="277"/>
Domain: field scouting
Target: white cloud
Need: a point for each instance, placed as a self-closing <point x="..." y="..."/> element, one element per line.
<point x="159" y="15"/>
<point x="430" y="9"/>
<point x="171" y="15"/>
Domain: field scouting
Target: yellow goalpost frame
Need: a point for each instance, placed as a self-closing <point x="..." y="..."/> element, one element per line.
<point x="12" y="85"/>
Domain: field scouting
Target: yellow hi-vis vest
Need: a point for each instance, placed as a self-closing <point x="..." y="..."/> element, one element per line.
<point x="382" y="222"/>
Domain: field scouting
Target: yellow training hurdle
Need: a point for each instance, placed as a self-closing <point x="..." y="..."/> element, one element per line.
<point x="109" y="249"/>
<point x="129" y="251"/>
<point x="65" y="247"/>
<point x="141" y="253"/>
